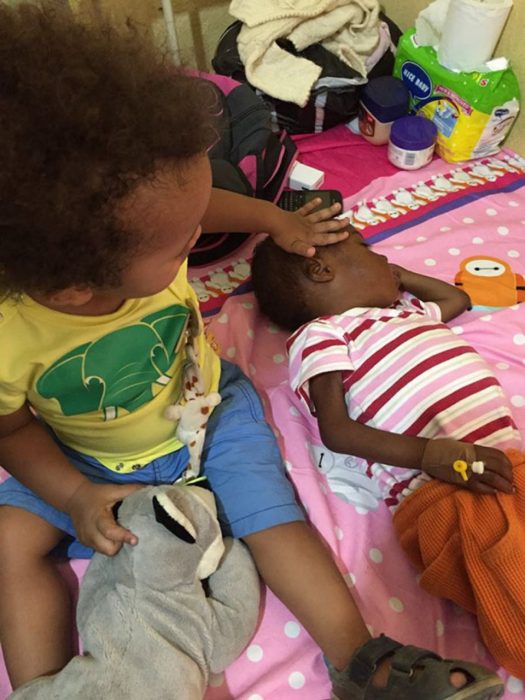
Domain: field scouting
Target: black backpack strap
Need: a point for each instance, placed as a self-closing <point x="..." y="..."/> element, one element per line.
<point x="273" y="166"/>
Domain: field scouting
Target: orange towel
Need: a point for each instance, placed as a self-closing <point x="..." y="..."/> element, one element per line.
<point x="471" y="550"/>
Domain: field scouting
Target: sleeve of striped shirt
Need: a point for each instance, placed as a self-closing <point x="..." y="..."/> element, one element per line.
<point x="319" y="348"/>
<point x="429" y="308"/>
<point x="432" y="310"/>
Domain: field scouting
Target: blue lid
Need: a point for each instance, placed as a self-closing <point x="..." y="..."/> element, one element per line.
<point x="413" y="133"/>
<point x="386" y="97"/>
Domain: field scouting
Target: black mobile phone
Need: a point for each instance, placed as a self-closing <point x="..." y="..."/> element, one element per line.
<point x="291" y="200"/>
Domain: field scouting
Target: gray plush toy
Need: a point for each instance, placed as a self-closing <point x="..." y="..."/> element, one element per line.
<point x="148" y="628"/>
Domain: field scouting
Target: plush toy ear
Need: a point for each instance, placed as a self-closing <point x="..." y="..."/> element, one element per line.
<point x="173" y="519"/>
<point x="115" y="509"/>
<point x="173" y="412"/>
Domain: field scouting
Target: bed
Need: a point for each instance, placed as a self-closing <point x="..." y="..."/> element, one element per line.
<point x="432" y="221"/>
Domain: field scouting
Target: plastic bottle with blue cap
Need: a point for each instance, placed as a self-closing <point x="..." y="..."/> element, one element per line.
<point x="412" y="142"/>
<point x="382" y="101"/>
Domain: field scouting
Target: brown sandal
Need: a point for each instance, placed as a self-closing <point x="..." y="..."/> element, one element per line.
<point x="415" y="674"/>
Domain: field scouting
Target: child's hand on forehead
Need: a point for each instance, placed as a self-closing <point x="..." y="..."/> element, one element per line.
<point x="301" y="231"/>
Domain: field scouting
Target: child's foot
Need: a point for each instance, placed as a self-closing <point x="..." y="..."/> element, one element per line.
<point x="457" y="679"/>
<point x="383" y="669"/>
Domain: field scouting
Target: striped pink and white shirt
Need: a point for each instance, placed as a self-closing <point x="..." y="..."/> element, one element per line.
<point x="406" y="372"/>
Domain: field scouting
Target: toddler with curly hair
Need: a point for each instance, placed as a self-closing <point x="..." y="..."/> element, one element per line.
<point x="105" y="185"/>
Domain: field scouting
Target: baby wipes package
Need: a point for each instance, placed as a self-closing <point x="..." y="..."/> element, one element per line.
<point x="473" y="112"/>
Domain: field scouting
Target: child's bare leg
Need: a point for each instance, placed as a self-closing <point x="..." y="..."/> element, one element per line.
<point x="35" y="607"/>
<point x="299" y="569"/>
<point x="296" y="565"/>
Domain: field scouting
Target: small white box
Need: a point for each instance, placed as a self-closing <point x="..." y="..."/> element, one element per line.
<point x="304" y="177"/>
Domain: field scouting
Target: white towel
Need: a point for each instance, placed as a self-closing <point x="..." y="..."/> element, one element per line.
<point x="347" y="28"/>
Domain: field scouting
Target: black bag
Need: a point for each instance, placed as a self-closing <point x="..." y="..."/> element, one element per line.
<point x="248" y="158"/>
<point x="335" y="96"/>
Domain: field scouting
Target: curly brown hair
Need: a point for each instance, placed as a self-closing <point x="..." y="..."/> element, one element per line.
<point x="85" y="114"/>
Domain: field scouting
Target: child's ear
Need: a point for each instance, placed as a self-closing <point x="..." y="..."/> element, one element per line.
<point x="72" y="296"/>
<point x="317" y="270"/>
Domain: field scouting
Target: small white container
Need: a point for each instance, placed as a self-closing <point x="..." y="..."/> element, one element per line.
<point x="412" y="142"/>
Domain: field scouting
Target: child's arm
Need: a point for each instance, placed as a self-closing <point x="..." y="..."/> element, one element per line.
<point x="28" y="453"/>
<point x="342" y="434"/>
<point x="451" y="300"/>
<point x="297" y="232"/>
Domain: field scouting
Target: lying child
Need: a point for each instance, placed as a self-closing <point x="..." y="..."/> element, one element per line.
<point x="388" y="382"/>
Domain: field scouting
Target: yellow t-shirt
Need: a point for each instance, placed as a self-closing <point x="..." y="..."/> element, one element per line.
<point x="102" y="383"/>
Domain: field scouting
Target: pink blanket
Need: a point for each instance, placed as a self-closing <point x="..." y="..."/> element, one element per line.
<point x="432" y="228"/>
<point x="481" y="217"/>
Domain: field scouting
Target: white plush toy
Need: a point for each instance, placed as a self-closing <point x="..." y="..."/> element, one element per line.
<point x="149" y="627"/>
<point x="191" y="427"/>
<point x="192" y="415"/>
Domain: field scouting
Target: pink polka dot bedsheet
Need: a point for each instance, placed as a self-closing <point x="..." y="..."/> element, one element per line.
<point x="432" y="221"/>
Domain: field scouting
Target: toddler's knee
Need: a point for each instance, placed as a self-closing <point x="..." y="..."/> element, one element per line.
<point x="24" y="537"/>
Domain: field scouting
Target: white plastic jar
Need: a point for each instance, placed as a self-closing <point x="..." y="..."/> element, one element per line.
<point x="412" y="142"/>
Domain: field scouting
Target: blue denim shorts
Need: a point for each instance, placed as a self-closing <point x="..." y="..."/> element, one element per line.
<point x="241" y="460"/>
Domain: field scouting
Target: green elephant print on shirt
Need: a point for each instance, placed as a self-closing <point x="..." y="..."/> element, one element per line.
<point x="118" y="370"/>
